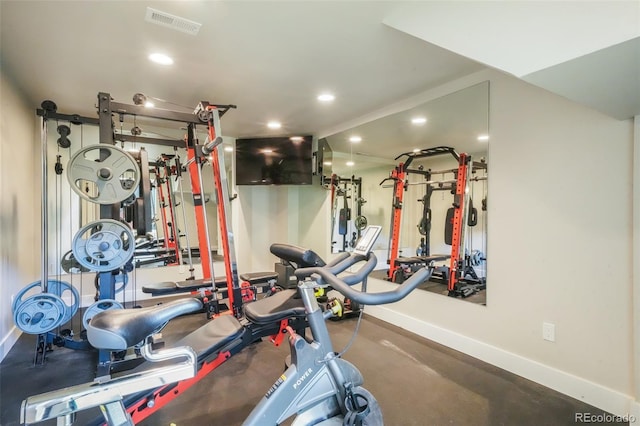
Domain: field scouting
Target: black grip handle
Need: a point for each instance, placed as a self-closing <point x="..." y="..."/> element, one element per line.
<point x="334" y="269"/>
<point x="380" y="298"/>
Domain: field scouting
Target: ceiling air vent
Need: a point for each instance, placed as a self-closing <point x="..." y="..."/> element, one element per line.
<point x="171" y="21"/>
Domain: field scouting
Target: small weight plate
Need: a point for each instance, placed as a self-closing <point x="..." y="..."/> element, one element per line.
<point x="99" y="306"/>
<point x="40" y="313"/>
<point x="103" y="245"/>
<point x="113" y="172"/>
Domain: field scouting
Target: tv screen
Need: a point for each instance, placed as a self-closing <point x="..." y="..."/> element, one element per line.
<point x="274" y="161"/>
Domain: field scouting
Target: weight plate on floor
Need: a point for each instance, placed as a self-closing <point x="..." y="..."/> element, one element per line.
<point x="103" y="174"/>
<point x="99" y="306"/>
<point x="103" y="245"/>
<point x="40" y="313"/>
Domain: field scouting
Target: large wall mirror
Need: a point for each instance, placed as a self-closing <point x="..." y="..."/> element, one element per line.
<point x="367" y="161"/>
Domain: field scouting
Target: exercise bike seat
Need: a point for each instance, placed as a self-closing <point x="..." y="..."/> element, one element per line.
<point x="281" y="305"/>
<point x="119" y="329"/>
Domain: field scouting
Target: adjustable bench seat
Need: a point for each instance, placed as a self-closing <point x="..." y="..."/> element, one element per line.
<point x="282" y="304"/>
<point x="187" y="286"/>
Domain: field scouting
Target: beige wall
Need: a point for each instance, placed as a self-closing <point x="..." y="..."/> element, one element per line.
<point x="559" y="249"/>
<point x="559" y="243"/>
<point x="19" y="202"/>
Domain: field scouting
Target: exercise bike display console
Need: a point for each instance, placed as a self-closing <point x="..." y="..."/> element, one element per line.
<point x="319" y="387"/>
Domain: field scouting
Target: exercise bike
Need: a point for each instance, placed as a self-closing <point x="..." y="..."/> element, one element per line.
<point x="319" y="387"/>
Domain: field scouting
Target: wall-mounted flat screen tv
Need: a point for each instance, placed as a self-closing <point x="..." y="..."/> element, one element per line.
<point x="274" y="161"/>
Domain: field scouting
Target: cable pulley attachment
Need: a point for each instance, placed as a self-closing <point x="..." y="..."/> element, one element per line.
<point x="64" y="131"/>
<point x="103" y="174"/>
<point x="103" y="245"/>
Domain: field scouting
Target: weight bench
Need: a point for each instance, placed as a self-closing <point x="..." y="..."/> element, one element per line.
<point x="260" y="281"/>
<point x="147" y="388"/>
<point x="420" y="260"/>
<point x="408" y="265"/>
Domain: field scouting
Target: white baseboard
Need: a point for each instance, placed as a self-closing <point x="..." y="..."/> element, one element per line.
<point x="8" y="341"/>
<point x="591" y="393"/>
<point x="635" y="412"/>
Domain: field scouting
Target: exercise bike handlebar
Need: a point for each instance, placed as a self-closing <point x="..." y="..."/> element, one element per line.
<point x="343" y="284"/>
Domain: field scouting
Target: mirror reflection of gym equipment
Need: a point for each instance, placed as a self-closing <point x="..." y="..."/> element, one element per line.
<point x="417" y="207"/>
<point x="460" y="275"/>
<point x="347" y="220"/>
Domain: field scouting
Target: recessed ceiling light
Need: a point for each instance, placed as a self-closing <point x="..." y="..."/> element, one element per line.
<point x="267" y="151"/>
<point x="149" y="104"/>
<point x="228" y="148"/>
<point x="160" y="58"/>
<point x="296" y="138"/>
<point x="355" y="139"/>
<point x="326" y="97"/>
<point x="274" y="125"/>
<point x="350" y="163"/>
<point x="417" y="150"/>
<point x="418" y="120"/>
<point x="483" y="138"/>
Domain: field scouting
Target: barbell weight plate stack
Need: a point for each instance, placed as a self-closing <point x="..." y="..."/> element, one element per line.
<point x="113" y="172"/>
<point x="56" y="288"/>
<point x="99" y="306"/>
<point x="103" y="245"/>
<point x="40" y="313"/>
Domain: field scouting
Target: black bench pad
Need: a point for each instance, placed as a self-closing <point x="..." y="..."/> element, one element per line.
<point x="422" y="259"/>
<point x="212" y="336"/>
<point x="281" y="305"/>
<point x="258" y="277"/>
<point x="172" y="287"/>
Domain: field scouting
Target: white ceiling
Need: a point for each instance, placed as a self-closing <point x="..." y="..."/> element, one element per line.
<point x="455" y="120"/>
<point x="273" y="58"/>
<point x="270" y="58"/>
<point x="587" y="51"/>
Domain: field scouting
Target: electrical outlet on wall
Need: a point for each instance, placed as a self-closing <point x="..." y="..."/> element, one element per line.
<point x="549" y="331"/>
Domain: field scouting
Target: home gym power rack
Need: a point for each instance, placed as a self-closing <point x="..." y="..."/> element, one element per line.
<point x="340" y="189"/>
<point x="205" y="113"/>
<point x="459" y="264"/>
